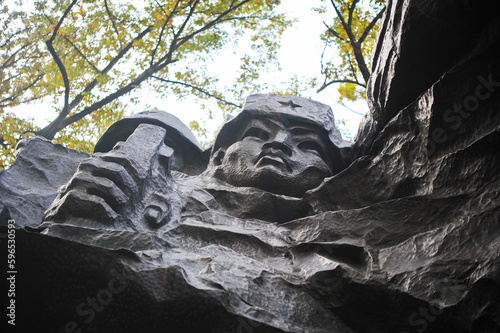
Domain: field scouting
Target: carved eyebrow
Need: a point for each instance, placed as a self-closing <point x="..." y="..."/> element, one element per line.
<point x="303" y="130"/>
<point x="256" y="127"/>
<point x="306" y="132"/>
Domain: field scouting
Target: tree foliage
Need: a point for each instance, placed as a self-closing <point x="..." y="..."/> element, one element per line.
<point x="351" y="34"/>
<point x="87" y="55"/>
<point x="13" y="129"/>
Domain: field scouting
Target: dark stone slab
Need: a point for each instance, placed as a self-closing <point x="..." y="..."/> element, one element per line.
<point x="30" y="185"/>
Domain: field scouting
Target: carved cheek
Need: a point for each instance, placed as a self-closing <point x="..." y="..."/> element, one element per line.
<point x="318" y="163"/>
<point x="304" y="162"/>
<point x="241" y="154"/>
<point x="250" y="150"/>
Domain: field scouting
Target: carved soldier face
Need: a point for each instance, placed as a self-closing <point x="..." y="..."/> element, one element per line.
<point x="282" y="156"/>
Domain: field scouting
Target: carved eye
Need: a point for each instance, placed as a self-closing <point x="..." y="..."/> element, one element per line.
<point x="258" y="133"/>
<point x="312" y="146"/>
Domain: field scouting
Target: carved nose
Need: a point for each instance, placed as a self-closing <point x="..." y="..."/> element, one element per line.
<point x="280" y="142"/>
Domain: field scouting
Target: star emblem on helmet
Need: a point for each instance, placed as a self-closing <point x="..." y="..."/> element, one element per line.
<point x="290" y="104"/>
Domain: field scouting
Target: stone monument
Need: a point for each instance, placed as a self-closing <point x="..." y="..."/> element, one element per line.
<point x="282" y="226"/>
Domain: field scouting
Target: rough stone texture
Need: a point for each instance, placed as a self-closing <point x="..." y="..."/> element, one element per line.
<point x="405" y="239"/>
<point x="420" y="42"/>
<point x="30" y="185"/>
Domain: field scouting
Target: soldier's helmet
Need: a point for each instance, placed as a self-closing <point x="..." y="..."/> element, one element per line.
<point x="287" y="108"/>
<point x="188" y="157"/>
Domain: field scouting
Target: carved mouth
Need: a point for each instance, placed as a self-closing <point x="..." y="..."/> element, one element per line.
<point x="273" y="158"/>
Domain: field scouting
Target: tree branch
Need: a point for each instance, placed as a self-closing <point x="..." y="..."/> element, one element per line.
<point x="351" y="11"/>
<point x="346" y="27"/>
<point x="323" y="69"/>
<point x="81" y="54"/>
<point x="18" y="59"/>
<point x="78" y="98"/>
<point x="351" y="65"/>
<point x="325" y="85"/>
<point x="112" y="19"/>
<point x="111" y="97"/>
<point x="333" y="32"/>
<point x="7" y="63"/>
<point x="356" y="46"/>
<point x="183" y="26"/>
<point x="174" y="44"/>
<point x="177" y="41"/>
<point x="19" y="102"/>
<point x="10" y="37"/>
<point x="167" y="20"/>
<point x="198" y="89"/>
<point x="371" y="25"/>
<point x="62" y="68"/>
<point x="215" y="21"/>
<point x="26" y="88"/>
